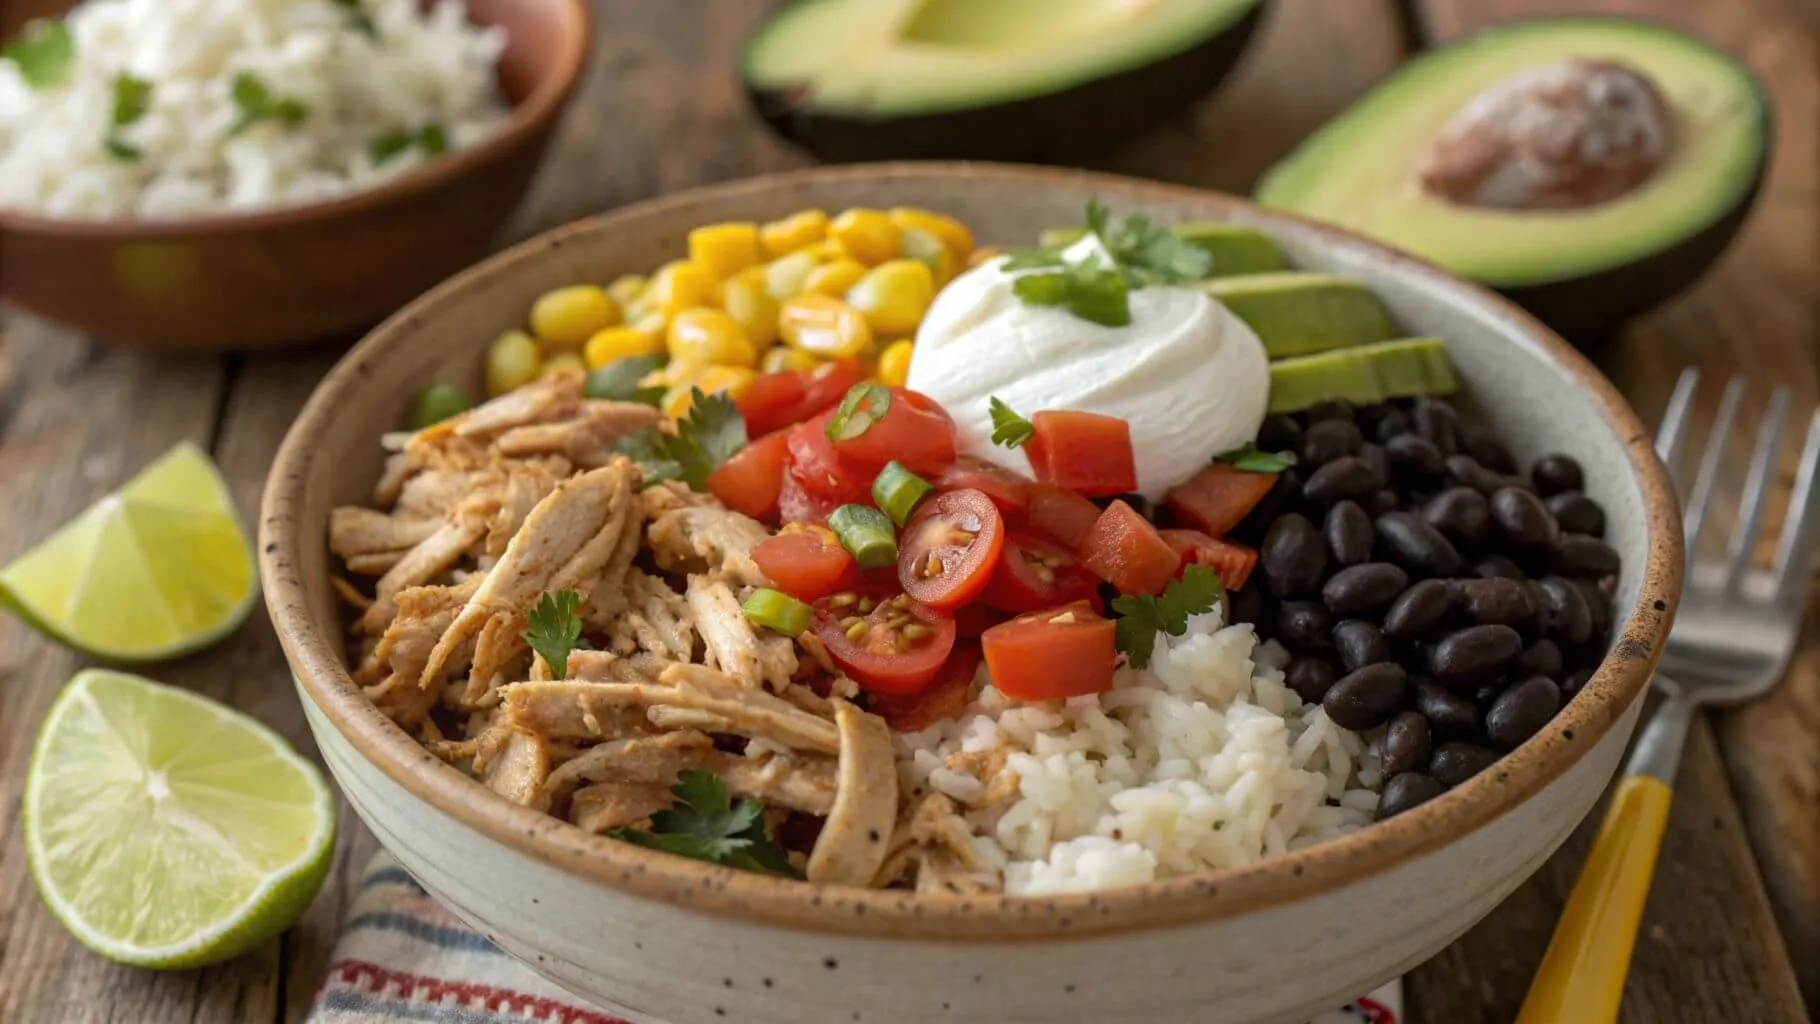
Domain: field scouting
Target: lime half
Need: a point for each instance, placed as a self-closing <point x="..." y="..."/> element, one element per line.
<point x="166" y="830"/>
<point x="159" y="568"/>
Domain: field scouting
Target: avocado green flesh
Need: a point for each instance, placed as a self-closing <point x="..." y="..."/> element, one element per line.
<point x="1359" y="170"/>
<point x="891" y="58"/>
<point x="1235" y="250"/>
<point x="1299" y="312"/>
<point x="1364" y="375"/>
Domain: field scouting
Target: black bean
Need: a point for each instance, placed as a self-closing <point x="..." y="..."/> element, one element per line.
<point x="1542" y="658"/>
<point x="1465" y="471"/>
<point x="1280" y="433"/>
<point x="1331" y="409"/>
<point x="1348" y="476"/>
<point x="1448" y="713"/>
<point x="1496" y="602"/>
<point x="1576" y="554"/>
<point x="1282" y="497"/>
<point x="1498" y="567"/>
<point x="1360" y="644"/>
<point x="1304" y="625"/>
<point x="1598" y="602"/>
<point x="1565" y="615"/>
<point x="1395" y="423"/>
<point x="1417" y="546"/>
<point x="1310" y="677"/>
<point x="1348" y="531"/>
<point x="1330" y="439"/>
<point x="1476" y="654"/>
<point x="1407" y="791"/>
<point x="1422" y="607"/>
<point x="1576" y="513"/>
<point x="1460" y="513"/>
<point x="1484" y="446"/>
<point x="1293" y="556"/>
<point x="1362" y="589"/>
<point x="1383" y="501"/>
<point x="1485" y="693"/>
<point x="1455" y="762"/>
<point x="1405" y="743"/>
<point x="1247" y="605"/>
<point x="1556" y="473"/>
<point x="1437" y="421"/>
<point x="1574" y="682"/>
<point x="1366" y="698"/>
<point x="1520" y="711"/>
<point x="1374" y="456"/>
<point x="1522" y="520"/>
<point x="1414" y="457"/>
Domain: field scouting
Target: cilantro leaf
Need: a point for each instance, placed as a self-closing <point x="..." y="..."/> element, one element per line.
<point x="553" y="628"/>
<point x="132" y="98"/>
<point x="44" y="54"/>
<point x="1143" y="616"/>
<point x="618" y="381"/>
<point x="359" y="18"/>
<point x="864" y="405"/>
<point x="710" y="435"/>
<point x="432" y="138"/>
<point x="254" y="102"/>
<point x="1091" y="293"/>
<point x="1252" y="459"/>
<point x="1034" y="259"/>
<point x="706" y="824"/>
<point x="650" y="448"/>
<point x="1149" y="253"/>
<point x="122" y="150"/>
<point x="1009" y="430"/>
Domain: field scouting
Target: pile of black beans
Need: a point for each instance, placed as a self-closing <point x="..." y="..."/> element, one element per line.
<point x="1423" y="585"/>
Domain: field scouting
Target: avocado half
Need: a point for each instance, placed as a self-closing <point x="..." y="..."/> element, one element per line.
<point x="986" y="79"/>
<point x="1583" y="271"/>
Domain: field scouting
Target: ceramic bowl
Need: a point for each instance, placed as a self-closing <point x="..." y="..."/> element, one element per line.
<point x="298" y="274"/>
<point x="663" y="939"/>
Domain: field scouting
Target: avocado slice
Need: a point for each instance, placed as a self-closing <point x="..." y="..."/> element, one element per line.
<point x="986" y="79"/>
<point x="1401" y="368"/>
<point x="1298" y="312"/>
<point x="1235" y="249"/>
<point x="1584" y="269"/>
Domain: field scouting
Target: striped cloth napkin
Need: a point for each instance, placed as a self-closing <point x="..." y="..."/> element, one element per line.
<point x="402" y="957"/>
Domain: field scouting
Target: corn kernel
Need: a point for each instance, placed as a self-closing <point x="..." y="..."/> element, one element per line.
<point x="954" y="236"/>
<point x="824" y="326"/>
<point x="616" y="343"/>
<point x="512" y="362"/>
<point x="680" y="285"/>
<point x="834" y="278"/>
<point x="893" y="296"/>
<point x="825" y="250"/>
<point x="677" y="401"/>
<point x="701" y="337"/>
<point x="626" y="288"/>
<point x="784" y="359"/>
<point x="784" y="236"/>
<point x="734" y="381"/>
<point x="725" y="249"/>
<point x="925" y="247"/>
<point x="563" y="364"/>
<point x="894" y="363"/>
<point x="784" y="276"/>
<point x="867" y="235"/>
<point x="567" y="317"/>
<point x="745" y="299"/>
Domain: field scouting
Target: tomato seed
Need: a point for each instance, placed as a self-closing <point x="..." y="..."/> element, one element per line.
<point x="1042" y="572"/>
<point x="842" y="600"/>
<point x="932" y="566"/>
<point x="847" y="623"/>
<point x="866" y="604"/>
<point x="857" y="630"/>
<point x="916" y="631"/>
<point x="896" y="621"/>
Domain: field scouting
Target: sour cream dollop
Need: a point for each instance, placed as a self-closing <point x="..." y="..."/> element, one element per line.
<point x="1192" y="379"/>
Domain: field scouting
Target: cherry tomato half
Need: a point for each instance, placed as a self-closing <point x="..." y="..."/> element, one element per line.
<point x="949" y="548"/>
<point x="1034" y="572"/>
<point x="750" y="481"/>
<point x="1231" y="562"/>
<point x="914" y="430"/>
<point x="822" y="470"/>
<point x="1084" y="452"/>
<point x="798" y="504"/>
<point x="772" y="402"/>
<point x="1060" y="514"/>
<point x="1129" y="553"/>
<point x="888" y="643"/>
<point x="806" y="561"/>
<point x="1009" y="491"/>
<point x="945" y="698"/>
<point x="827" y="384"/>
<point x="1055" y="653"/>
<point x="1217" y="498"/>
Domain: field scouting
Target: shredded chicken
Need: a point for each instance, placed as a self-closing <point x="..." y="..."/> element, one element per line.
<point x="733" y="645"/>
<point x="852" y="844"/>
<point x="586" y="440"/>
<point x="701" y="538"/>
<point x="934" y="846"/>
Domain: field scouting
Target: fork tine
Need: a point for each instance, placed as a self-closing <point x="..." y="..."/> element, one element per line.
<point x="1795" y="549"/>
<point x="1672" y="434"/>
<point x="1714" y="454"/>
<point x="1756" y="487"/>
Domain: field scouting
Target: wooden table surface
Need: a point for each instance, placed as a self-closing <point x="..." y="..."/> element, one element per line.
<point x="1732" y="931"/>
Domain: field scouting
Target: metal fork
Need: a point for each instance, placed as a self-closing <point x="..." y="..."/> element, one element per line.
<point x="1731" y="642"/>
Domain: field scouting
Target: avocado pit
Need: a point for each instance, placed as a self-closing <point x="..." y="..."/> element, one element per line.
<point x="1567" y="135"/>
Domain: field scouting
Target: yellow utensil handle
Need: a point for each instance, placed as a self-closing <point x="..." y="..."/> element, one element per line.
<point x="1581" y="980"/>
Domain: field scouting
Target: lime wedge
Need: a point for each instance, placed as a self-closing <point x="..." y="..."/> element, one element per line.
<point x="156" y="569"/>
<point x="165" y="830"/>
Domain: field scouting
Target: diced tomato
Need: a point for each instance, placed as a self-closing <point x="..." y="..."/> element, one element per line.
<point x="945" y="698"/>
<point x="1129" y="553"/>
<point x="1214" y="500"/>
<point x="1231" y="562"/>
<point x="822" y="470"/>
<point x="971" y="620"/>
<point x="1085" y="452"/>
<point x="1034" y="572"/>
<point x="1060" y="514"/>
<point x="827" y="384"/>
<point x="1057" y="652"/>
<point x="798" y="504"/>
<point x="949" y="548"/>
<point x="914" y="430"/>
<point x="882" y="657"/>
<point x="751" y="480"/>
<point x="772" y="402"/>
<point x="806" y="561"/>
<point x="1009" y="491"/>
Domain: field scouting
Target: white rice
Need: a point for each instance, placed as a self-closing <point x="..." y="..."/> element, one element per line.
<point x="1204" y="760"/>
<point x="423" y="69"/>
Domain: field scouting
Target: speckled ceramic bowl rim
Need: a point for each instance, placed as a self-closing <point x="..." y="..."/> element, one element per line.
<point x="315" y="652"/>
<point x="527" y="117"/>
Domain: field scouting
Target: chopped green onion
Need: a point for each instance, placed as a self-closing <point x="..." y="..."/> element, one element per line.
<point x="776" y="610"/>
<point x="436" y="403"/>
<point x="897" y="490"/>
<point x="864" y="405"/>
<point x="866" y="534"/>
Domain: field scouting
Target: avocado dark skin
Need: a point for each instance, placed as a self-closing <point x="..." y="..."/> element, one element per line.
<point x="1061" y="126"/>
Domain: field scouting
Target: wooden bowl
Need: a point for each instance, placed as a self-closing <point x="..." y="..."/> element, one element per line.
<point x="660" y="938"/>
<point x="304" y="273"/>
